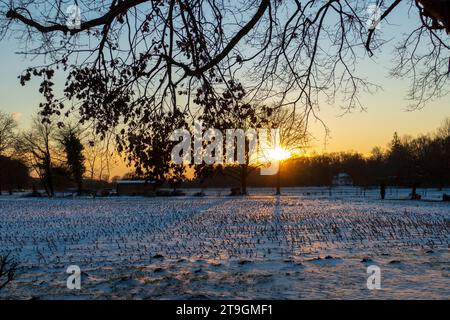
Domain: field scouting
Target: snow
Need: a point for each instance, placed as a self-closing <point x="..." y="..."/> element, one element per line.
<point x="218" y="247"/>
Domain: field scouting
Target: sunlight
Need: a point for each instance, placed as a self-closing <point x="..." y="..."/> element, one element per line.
<point x="279" y="154"/>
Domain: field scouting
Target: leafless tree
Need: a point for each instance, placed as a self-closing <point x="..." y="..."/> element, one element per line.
<point x="294" y="135"/>
<point x="100" y="155"/>
<point x="38" y="148"/>
<point x="132" y="61"/>
<point x="443" y="131"/>
<point x="7" y="132"/>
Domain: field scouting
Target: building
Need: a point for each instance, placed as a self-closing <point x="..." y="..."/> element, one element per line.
<point x="342" y="179"/>
<point x="134" y="187"/>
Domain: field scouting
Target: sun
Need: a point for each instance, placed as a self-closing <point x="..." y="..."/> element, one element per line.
<point x="279" y="154"/>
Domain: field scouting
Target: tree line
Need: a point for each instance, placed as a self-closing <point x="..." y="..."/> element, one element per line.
<point x="142" y="67"/>
<point x="58" y="156"/>
<point x="51" y="156"/>
<point x="422" y="161"/>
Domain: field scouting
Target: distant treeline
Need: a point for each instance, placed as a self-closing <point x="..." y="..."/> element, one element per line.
<point x="15" y="175"/>
<point x="52" y="157"/>
<point x="421" y="161"/>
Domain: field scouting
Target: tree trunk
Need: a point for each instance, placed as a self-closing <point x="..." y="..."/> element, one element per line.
<point x="50" y="186"/>
<point x="49" y="181"/>
<point x="279" y="180"/>
<point x="244" y="179"/>
<point x="382" y="191"/>
<point x="80" y="187"/>
<point x="413" y="193"/>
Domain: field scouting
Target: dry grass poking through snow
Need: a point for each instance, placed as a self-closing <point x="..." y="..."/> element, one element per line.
<point x="256" y="247"/>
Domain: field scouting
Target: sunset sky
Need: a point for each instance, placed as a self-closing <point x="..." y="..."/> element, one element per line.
<point x="358" y="131"/>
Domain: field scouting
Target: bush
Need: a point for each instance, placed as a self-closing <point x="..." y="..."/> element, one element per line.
<point x="7" y="270"/>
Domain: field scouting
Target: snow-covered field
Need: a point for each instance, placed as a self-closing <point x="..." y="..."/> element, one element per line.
<point x="257" y="247"/>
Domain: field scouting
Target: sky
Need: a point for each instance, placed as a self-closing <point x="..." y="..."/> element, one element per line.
<point x="357" y="131"/>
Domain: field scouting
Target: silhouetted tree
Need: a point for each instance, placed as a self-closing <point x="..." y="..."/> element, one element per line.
<point x="376" y="167"/>
<point x="442" y="160"/>
<point x="13" y="174"/>
<point x="37" y="147"/>
<point x="408" y="162"/>
<point x="7" y="132"/>
<point x="176" y="176"/>
<point x="148" y="146"/>
<point x="130" y="62"/>
<point x="398" y="160"/>
<point x="100" y="153"/>
<point x="231" y="111"/>
<point x="234" y="112"/>
<point x="70" y="141"/>
<point x="61" y="176"/>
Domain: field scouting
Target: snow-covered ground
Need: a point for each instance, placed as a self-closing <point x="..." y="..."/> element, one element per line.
<point x="256" y="247"/>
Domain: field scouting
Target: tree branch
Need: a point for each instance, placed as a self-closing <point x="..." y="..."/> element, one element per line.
<point x="107" y="18"/>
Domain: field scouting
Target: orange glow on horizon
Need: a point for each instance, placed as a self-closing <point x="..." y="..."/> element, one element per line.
<point x="279" y="154"/>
